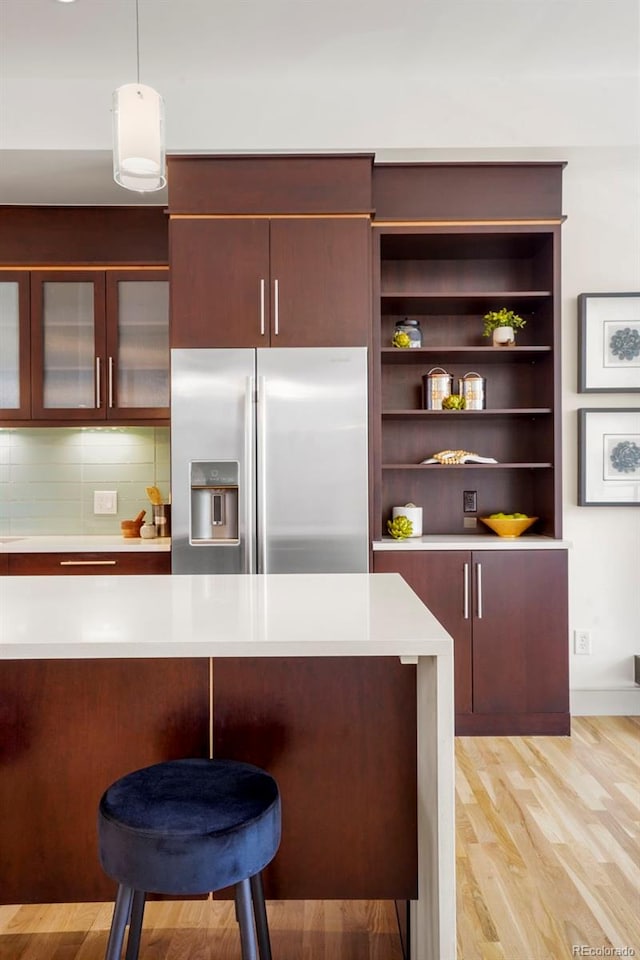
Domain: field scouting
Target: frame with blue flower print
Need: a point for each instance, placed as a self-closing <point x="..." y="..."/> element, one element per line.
<point x="609" y="457"/>
<point x="609" y="342"/>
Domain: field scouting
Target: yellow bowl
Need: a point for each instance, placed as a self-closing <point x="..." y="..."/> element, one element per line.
<point x="506" y="527"/>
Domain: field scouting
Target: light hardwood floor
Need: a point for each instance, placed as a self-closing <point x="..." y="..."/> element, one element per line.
<point x="547" y="860"/>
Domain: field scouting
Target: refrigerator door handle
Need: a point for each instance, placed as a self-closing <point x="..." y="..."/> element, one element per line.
<point x="249" y="448"/>
<point x="262" y="474"/>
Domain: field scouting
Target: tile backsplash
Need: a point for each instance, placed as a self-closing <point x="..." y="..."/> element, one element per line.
<point x="48" y="477"/>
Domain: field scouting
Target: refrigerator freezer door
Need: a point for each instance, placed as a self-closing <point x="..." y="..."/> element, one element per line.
<point x="312" y="474"/>
<point x="212" y="421"/>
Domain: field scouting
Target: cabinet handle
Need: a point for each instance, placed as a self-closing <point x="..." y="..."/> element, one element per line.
<point x="262" y="306"/>
<point x="466" y="592"/>
<point x="110" y="383"/>
<point x="479" y="590"/>
<point x="276" y="303"/>
<point x="98" y="384"/>
<point x="88" y="563"/>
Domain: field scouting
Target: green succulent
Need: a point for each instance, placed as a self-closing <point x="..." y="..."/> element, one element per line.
<point x="501" y="318"/>
<point x="454" y="402"/>
<point x="401" y="339"/>
<point x="400" y="528"/>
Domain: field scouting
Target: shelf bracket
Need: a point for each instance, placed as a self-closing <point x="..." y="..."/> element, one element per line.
<point x="409" y="659"/>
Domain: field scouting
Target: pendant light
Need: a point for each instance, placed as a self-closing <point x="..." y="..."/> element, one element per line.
<point x="138" y="133"/>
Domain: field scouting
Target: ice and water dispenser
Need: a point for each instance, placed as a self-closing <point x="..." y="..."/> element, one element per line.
<point x="214" y="501"/>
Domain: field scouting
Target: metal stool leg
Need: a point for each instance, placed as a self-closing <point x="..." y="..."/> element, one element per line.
<point x="119" y="923"/>
<point x="260" y="912"/>
<point x="135" y="925"/>
<point x="244" y="910"/>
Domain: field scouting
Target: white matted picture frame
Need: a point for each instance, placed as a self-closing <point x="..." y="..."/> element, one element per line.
<point x="609" y="342"/>
<point x="609" y="457"/>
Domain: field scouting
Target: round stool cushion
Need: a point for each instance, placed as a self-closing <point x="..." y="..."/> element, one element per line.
<point x="189" y="826"/>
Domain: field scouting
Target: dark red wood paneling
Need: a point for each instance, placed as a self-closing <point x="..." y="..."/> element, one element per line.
<point x="270" y="184"/>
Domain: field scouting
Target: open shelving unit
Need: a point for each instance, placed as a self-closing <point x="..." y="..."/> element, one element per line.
<point x="447" y="276"/>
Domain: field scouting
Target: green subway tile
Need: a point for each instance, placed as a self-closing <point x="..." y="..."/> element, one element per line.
<point x="55" y="473"/>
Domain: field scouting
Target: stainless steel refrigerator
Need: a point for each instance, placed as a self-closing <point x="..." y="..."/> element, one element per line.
<point x="269" y="467"/>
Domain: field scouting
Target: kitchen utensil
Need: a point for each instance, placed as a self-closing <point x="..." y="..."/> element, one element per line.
<point x="154" y="495"/>
<point x="131" y="528"/>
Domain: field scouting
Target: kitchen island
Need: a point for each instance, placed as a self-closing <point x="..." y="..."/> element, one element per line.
<point x="313" y="620"/>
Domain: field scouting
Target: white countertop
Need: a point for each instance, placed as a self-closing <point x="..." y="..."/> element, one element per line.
<point x="51" y="617"/>
<point x="472" y="541"/>
<point x="82" y="544"/>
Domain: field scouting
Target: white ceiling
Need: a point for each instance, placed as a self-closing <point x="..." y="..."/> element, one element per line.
<point x="308" y="75"/>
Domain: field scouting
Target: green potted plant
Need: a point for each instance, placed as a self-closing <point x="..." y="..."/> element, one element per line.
<point x="502" y="324"/>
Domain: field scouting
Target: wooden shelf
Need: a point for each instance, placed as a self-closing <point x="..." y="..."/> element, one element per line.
<point x="466" y="466"/>
<point x="455" y="301"/>
<point x="509" y="412"/>
<point x="470" y="354"/>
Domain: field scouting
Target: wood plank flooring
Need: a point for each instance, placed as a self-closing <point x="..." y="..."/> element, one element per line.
<point x="547" y="860"/>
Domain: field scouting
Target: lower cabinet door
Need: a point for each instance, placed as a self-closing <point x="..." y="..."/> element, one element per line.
<point x="69" y="728"/>
<point x="442" y="580"/>
<point x="520" y="632"/>
<point x="339" y="736"/>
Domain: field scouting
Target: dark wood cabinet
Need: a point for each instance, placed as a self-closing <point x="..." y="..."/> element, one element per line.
<point x="335" y="732"/>
<point x="259" y="282"/>
<point x="100" y="345"/>
<point x="68" y="728"/>
<point x="15" y="340"/>
<point x="88" y="564"/>
<point x="507" y="613"/>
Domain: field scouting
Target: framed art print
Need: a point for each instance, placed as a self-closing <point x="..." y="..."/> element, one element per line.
<point x="609" y="457"/>
<point x="609" y="342"/>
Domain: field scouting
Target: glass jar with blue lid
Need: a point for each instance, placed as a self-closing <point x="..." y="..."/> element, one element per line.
<point x="412" y="330"/>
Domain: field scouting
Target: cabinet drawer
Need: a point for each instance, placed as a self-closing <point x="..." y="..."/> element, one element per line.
<point x="88" y="564"/>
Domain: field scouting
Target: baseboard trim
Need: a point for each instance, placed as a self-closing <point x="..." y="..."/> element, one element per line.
<point x="513" y="724"/>
<point x="622" y="701"/>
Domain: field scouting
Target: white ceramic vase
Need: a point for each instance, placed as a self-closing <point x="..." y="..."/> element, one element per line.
<point x="504" y="337"/>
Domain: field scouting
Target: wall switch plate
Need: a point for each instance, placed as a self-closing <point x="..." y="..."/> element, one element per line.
<point x="582" y="642"/>
<point x="469" y="523"/>
<point x="105" y="501"/>
<point x="470" y="501"/>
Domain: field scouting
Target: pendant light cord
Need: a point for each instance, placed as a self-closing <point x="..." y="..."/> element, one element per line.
<point x="138" y="41"/>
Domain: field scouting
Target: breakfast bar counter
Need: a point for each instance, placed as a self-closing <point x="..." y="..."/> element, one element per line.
<point x="301" y="625"/>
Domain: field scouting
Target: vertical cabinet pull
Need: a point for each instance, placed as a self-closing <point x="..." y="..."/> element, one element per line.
<point x="276" y="308"/>
<point x="110" y="383"/>
<point x="479" y="590"/>
<point x="262" y="306"/>
<point x="465" y="607"/>
<point x="98" y="384"/>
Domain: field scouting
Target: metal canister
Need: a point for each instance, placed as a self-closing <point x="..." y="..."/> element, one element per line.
<point x="473" y="388"/>
<point x="435" y="385"/>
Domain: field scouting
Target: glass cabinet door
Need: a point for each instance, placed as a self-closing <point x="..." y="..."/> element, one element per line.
<point x="68" y="344"/>
<point x="138" y="343"/>
<point x="15" y="399"/>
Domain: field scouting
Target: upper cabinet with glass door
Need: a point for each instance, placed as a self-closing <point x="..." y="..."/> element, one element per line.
<point x="15" y="387"/>
<point x="100" y="344"/>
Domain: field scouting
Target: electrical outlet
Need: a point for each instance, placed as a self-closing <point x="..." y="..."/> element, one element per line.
<point x="582" y="642"/>
<point x="105" y="501"/>
<point x="469" y="501"/>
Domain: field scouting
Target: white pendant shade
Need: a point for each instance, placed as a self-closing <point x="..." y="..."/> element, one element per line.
<point x="138" y="138"/>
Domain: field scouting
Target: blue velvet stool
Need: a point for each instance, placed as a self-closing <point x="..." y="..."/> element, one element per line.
<point x="189" y="827"/>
